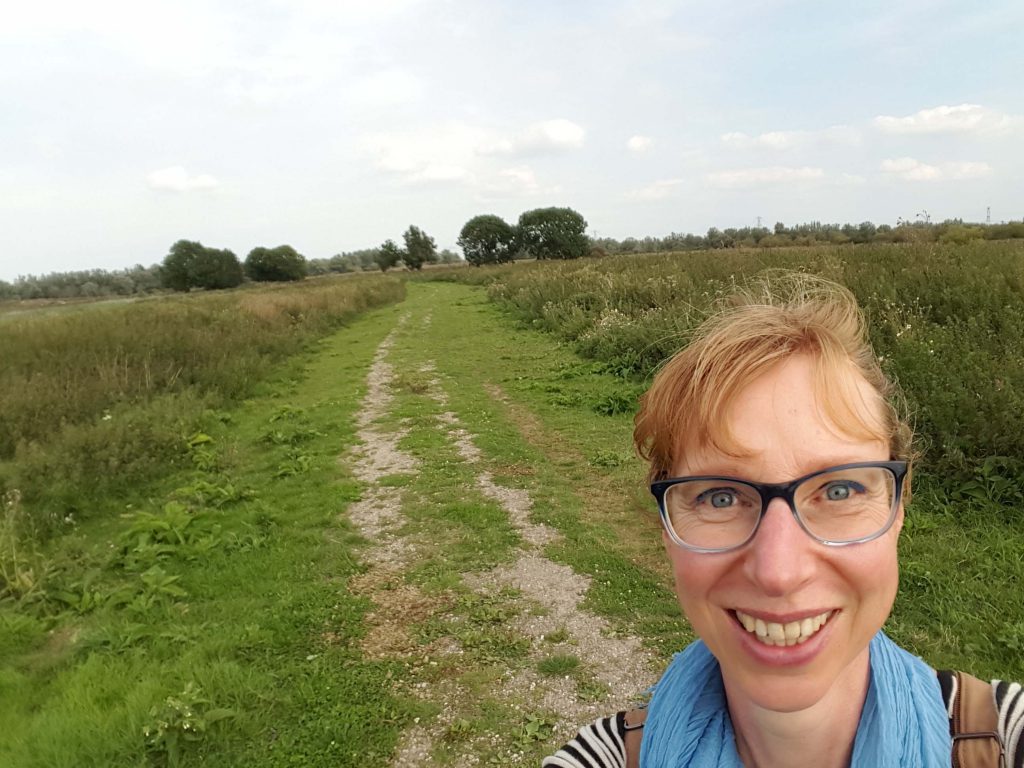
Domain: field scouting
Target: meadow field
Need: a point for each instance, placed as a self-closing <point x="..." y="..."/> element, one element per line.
<point x="398" y="521"/>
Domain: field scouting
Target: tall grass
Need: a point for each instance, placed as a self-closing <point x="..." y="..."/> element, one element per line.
<point x="107" y="394"/>
<point x="946" y="320"/>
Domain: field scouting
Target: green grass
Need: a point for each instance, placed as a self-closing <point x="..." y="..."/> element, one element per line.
<point x="97" y="401"/>
<point x="558" y="665"/>
<point x="947" y="321"/>
<point x="225" y="587"/>
<point x="250" y="615"/>
<point x="956" y="607"/>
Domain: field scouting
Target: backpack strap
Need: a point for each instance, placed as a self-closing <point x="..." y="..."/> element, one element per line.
<point x="973" y="722"/>
<point x="633" y="724"/>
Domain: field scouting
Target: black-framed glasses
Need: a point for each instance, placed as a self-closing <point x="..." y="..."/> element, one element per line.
<point x="837" y="506"/>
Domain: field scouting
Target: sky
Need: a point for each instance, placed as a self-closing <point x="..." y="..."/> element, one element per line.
<point x="333" y="125"/>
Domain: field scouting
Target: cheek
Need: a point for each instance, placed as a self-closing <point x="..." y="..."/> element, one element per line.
<point x="695" y="575"/>
<point x="875" y="579"/>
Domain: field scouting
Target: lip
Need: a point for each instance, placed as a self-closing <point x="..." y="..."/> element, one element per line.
<point x="783" y="655"/>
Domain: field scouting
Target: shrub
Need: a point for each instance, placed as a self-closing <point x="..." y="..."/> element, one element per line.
<point x="281" y="264"/>
<point x="192" y="265"/>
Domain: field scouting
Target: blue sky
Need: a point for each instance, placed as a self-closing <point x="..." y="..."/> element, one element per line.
<point x="333" y="125"/>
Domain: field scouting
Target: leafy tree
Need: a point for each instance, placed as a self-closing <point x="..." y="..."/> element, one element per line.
<point x="487" y="239"/>
<point x="179" y="265"/>
<point x="219" y="268"/>
<point x="419" y="248"/>
<point x="449" y="257"/>
<point x="191" y="265"/>
<point x="388" y="255"/>
<point x="553" y="233"/>
<point x="279" y="264"/>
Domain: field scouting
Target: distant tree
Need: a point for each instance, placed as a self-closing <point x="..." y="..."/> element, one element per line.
<point x="281" y="264"/>
<point x="487" y="239"/>
<point x="219" y="268"/>
<point x="419" y="248"/>
<point x="449" y="257"/>
<point x="388" y="255"/>
<point x="191" y="265"/>
<point x="553" y="233"/>
<point x="180" y="263"/>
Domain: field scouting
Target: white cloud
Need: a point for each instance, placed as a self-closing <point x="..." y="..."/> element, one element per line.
<point x="658" y="190"/>
<point x="962" y="118"/>
<point x="548" y="136"/>
<point x="431" y="152"/>
<point x="434" y="173"/>
<point x="638" y="143"/>
<point x="48" y="147"/>
<point x="755" y="177"/>
<point x="910" y="169"/>
<point x="517" y="181"/>
<point x="176" y="179"/>
<point x="386" y="88"/>
<point x="781" y="140"/>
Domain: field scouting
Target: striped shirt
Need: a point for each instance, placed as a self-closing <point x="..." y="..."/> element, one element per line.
<point x="601" y="745"/>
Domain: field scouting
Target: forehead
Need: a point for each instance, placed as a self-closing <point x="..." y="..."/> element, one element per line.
<point x="790" y="421"/>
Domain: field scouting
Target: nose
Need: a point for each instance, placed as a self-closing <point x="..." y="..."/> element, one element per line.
<point x="781" y="557"/>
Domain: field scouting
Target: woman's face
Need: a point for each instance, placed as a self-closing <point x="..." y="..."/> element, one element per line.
<point x="783" y="575"/>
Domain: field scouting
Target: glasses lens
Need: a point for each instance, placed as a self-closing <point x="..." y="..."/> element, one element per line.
<point x="847" y="504"/>
<point x="712" y="514"/>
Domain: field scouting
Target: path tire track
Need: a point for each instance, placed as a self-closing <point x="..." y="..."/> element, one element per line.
<point x="549" y="601"/>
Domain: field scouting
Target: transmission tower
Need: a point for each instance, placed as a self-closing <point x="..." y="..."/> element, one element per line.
<point x="988" y="214"/>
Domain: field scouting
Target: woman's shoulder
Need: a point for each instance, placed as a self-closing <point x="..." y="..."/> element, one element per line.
<point x="601" y="743"/>
<point x="1008" y="698"/>
<point x="597" y="745"/>
<point x="988" y="705"/>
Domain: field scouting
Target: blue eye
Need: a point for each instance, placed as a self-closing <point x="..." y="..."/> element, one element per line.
<point x="842" y="490"/>
<point x="719" y="498"/>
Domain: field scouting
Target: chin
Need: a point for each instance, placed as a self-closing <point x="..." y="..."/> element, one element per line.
<point x="784" y="694"/>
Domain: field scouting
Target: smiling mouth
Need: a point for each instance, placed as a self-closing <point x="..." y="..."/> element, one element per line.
<point x="790" y="633"/>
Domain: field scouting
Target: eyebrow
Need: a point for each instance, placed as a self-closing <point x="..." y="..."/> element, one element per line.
<point x="732" y="470"/>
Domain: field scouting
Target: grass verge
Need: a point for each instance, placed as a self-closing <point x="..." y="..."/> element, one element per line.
<point x="209" y="622"/>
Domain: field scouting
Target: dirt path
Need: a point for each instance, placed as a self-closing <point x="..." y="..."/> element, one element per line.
<point x="543" y="596"/>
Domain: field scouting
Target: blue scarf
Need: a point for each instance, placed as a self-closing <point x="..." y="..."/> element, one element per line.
<point x="903" y="723"/>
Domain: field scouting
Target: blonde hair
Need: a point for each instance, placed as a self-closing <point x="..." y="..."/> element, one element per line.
<point x="777" y="316"/>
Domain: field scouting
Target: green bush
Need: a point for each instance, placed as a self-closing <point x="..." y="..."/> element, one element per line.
<point x="282" y="264"/>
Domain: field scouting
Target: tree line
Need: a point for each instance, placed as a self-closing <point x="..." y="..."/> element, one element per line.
<point x="543" y="233"/>
<point x="816" y="233"/>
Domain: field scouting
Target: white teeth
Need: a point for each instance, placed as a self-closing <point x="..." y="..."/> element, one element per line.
<point x="791" y="633"/>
